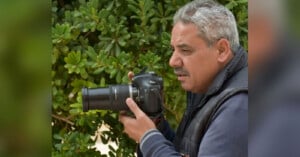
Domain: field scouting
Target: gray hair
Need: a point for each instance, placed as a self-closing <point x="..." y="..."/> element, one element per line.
<point x="213" y="20"/>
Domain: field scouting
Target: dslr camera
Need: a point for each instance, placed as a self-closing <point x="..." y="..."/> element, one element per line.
<point x="146" y="90"/>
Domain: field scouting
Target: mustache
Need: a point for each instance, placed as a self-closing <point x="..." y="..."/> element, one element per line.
<point x="180" y="71"/>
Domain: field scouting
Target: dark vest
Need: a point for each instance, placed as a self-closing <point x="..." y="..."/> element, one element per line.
<point x="191" y="135"/>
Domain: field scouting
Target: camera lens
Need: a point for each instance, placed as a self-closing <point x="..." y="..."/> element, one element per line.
<point x="111" y="98"/>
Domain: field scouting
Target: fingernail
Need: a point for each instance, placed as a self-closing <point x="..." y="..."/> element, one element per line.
<point x="128" y="100"/>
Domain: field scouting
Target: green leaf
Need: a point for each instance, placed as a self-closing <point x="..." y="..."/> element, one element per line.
<point x="102" y="82"/>
<point x="91" y="52"/>
<point x="75" y="111"/>
<point x="73" y="58"/>
<point x="76" y="105"/>
<point x="119" y="77"/>
<point x="113" y="73"/>
<point x="57" y="136"/>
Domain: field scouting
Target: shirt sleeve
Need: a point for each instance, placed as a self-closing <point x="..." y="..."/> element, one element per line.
<point x="164" y="128"/>
<point x="154" y="144"/>
<point x="227" y="135"/>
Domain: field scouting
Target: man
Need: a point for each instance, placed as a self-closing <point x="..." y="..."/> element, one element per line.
<point x="212" y="68"/>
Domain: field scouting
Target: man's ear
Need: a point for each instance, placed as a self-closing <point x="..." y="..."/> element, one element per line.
<point x="224" y="51"/>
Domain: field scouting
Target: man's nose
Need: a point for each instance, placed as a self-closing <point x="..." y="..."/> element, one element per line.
<point x="175" y="60"/>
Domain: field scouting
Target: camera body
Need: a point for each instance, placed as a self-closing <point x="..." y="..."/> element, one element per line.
<point x="146" y="90"/>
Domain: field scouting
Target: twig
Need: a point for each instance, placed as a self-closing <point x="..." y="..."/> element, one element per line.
<point x="62" y="119"/>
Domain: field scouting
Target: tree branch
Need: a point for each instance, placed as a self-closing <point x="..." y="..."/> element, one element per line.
<point x="62" y="119"/>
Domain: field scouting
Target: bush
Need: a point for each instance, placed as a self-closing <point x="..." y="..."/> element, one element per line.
<point x="96" y="43"/>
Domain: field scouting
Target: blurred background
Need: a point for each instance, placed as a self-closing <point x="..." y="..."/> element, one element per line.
<point x="25" y="62"/>
<point x="274" y="74"/>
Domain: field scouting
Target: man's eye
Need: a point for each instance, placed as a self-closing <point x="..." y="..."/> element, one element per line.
<point x="186" y="50"/>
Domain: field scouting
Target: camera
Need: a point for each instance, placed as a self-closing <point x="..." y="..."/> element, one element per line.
<point x="146" y="90"/>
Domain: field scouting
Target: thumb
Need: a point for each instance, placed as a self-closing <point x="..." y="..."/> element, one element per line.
<point x="130" y="75"/>
<point x="134" y="108"/>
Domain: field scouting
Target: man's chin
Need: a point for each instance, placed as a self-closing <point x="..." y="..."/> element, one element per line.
<point x="186" y="87"/>
<point x="191" y="89"/>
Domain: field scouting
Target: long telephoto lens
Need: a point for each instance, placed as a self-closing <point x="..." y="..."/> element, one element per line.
<point x="110" y="98"/>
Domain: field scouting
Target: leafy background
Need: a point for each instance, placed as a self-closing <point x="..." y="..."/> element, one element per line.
<point x="95" y="43"/>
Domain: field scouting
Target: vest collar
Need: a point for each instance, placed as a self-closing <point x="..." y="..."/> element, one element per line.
<point x="238" y="62"/>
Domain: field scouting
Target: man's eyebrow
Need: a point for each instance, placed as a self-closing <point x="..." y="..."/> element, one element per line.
<point x="183" y="46"/>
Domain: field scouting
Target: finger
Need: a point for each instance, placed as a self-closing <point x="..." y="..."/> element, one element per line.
<point x="134" y="108"/>
<point x="123" y="117"/>
<point x="130" y="75"/>
<point x="123" y="112"/>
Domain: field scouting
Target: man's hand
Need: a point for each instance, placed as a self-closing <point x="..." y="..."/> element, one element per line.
<point x="138" y="126"/>
<point x="130" y="75"/>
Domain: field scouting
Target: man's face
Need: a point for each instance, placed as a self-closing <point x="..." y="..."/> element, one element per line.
<point x="194" y="63"/>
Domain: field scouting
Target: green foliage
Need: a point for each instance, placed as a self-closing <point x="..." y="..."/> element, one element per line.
<point x="240" y="11"/>
<point x="96" y="43"/>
